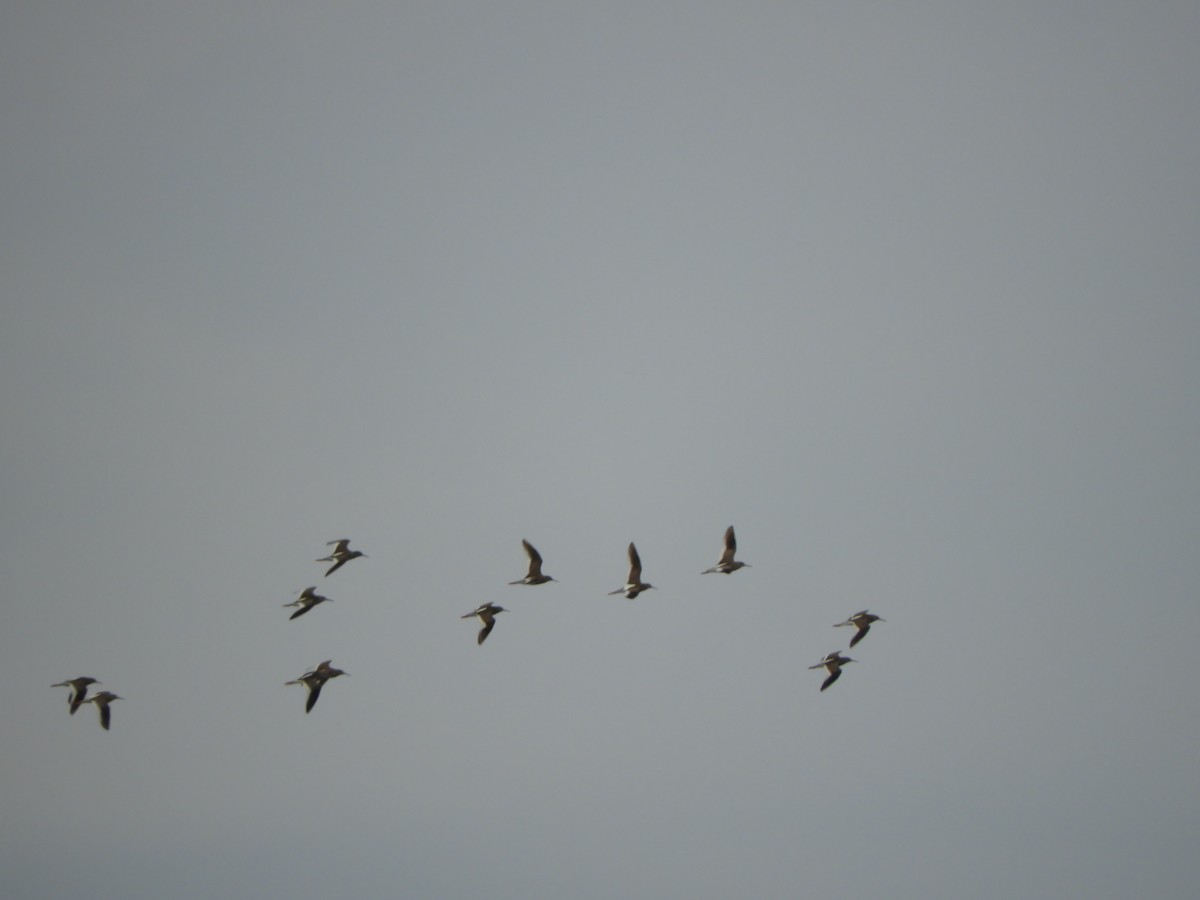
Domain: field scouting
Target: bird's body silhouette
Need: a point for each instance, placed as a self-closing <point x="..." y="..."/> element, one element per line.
<point x="102" y="700"/>
<point x="307" y="600"/>
<point x="833" y="664"/>
<point x="341" y="555"/>
<point x="534" y="576"/>
<point x="634" y="585"/>
<point x="315" y="680"/>
<point x="862" y="621"/>
<point x="727" y="564"/>
<point x="79" y="688"/>
<point x="486" y="613"/>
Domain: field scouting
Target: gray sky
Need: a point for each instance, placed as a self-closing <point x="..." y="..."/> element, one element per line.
<point x="906" y="292"/>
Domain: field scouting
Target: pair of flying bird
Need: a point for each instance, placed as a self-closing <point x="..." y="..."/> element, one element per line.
<point x="309" y="597"/>
<point x="834" y="661"/>
<point x="78" y="696"/>
<point x="634" y="584"/>
<point x="632" y="587"/>
<point x="487" y="612"/>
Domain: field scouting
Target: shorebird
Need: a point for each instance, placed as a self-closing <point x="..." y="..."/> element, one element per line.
<point x="79" y="688"/>
<point x="102" y="700"/>
<point x="634" y="585"/>
<point x="307" y="600"/>
<point x="833" y="662"/>
<point x="535" y="575"/>
<point x="727" y="564"/>
<point x="315" y="680"/>
<point x="341" y="555"/>
<point x="487" y="615"/>
<point x="862" y="621"/>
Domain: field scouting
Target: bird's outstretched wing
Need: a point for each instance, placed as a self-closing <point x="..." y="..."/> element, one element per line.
<point x="833" y="676"/>
<point x="314" y="691"/>
<point x="635" y="565"/>
<point x="535" y="558"/>
<point x="730" y="547"/>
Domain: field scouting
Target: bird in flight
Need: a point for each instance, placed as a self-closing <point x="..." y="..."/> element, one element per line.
<point x="341" y="555"/>
<point x="535" y="575"/>
<point x="307" y="600"/>
<point x="79" y="688"/>
<point x="727" y="563"/>
<point x="862" y="621"/>
<point x="315" y="680"/>
<point x="833" y="663"/>
<point x="634" y="585"/>
<point x="486" y="613"/>
<point x="102" y="700"/>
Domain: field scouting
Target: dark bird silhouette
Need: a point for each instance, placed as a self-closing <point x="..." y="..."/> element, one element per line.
<point x="341" y="555"/>
<point x="634" y="585"/>
<point x="728" y="564"/>
<point x="486" y="613"/>
<point x="315" y="680"/>
<point x="79" y="688"/>
<point x="307" y="600"/>
<point x="102" y="700"/>
<point x="535" y="575"/>
<point x="862" y="621"/>
<point x="833" y="662"/>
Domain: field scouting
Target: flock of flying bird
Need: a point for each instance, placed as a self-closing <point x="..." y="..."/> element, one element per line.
<point x="316" y="678"/>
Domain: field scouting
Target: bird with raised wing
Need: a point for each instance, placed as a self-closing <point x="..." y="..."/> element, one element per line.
<point x="79" y="688"/>
<point x="341" y="555"/>
<point x="315" y="680"/>
<point x="307" y="600"/>
<point x="833" y="663"/>
<point x="486" y="613"/>
<point x="535" y="575"/>
<point x="727" y="564"/>
<point x="634" y="585"/>
<point x="102" y="700"/>
<point x="862" y="621"/>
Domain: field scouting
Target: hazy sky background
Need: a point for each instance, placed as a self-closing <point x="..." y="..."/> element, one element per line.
<point x="906" y="292"/>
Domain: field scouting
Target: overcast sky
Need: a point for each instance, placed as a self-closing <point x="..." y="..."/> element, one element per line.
<point x="906" y="292"/>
